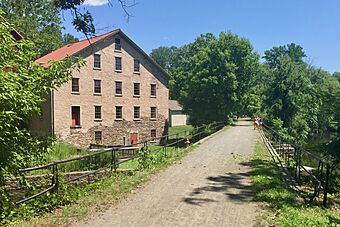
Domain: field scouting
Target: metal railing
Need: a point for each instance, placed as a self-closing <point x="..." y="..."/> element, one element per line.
<point x="308" y="169"/>
<point x="118" y="155"/>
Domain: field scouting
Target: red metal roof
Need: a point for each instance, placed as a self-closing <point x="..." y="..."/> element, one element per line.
<point x="72" y="48"/>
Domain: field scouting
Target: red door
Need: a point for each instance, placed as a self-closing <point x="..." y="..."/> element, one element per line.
<point x="134" y="138"/>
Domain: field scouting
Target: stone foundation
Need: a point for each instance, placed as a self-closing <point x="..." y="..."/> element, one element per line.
<point x="114" y="134"/>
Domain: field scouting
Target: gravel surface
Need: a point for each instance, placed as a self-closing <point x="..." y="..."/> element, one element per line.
<point x="208" y="187"/>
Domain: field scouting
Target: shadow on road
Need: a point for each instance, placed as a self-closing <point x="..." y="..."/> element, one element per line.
<point x="235" y="186"/>
<point x="197" y="201"/>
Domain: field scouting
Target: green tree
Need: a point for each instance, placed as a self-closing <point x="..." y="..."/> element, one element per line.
<point x="290" y="96"/>
<point x="37" y="20"/>
<point x="212" y="75"/>
<point x="23" y="86"/>
<point x="68" y="38"/>
<point x="337" y="75"/>
<point x="164" y="56"/>
<point x="295" y="53"/>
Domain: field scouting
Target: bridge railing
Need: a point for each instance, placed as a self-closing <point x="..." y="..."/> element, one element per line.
<point x="311" y="172"/>
<point x="105" y="160"/>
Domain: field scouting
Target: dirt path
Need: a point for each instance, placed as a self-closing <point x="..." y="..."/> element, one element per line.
<point x="210" y="187"/>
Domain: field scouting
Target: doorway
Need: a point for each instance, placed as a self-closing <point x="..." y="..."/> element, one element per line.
<point x="134" y="138"/>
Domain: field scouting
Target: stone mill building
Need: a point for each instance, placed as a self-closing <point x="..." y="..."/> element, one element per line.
<point x="119" y="97"/>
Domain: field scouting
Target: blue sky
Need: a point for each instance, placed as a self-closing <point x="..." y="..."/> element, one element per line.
<point x="313" y="24"/>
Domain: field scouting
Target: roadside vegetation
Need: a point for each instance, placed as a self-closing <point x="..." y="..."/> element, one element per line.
<point x="179" y="129"/>
<point x="76" y="201"/>
<point x="282" y="205"/>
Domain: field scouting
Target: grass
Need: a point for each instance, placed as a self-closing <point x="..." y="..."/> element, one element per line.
<point x="60" y="151"/>
<point x="74" y="202"/>
<point x="179" y="129"/>
<point x="78" y="202"/>
<point x="282" y="205"/>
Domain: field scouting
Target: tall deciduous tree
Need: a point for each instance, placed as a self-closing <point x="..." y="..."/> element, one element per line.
<point x="293" y="51"/>
<point x="68" y="38"/>
<point x="37" y="20"/>
<point x="23" y="85"/>
<point x="291" y="97"/>
<point x="164" y="56"/>
<point x="212" y="75"/>
<point x="288" y="91"/>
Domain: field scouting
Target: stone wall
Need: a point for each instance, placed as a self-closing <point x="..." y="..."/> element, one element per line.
<point x="114" y="134"/>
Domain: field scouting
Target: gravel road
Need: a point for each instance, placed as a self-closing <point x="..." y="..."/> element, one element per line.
<point x="209" y="187"/>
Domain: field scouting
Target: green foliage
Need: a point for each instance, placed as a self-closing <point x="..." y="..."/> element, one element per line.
<point x="214" y="73"/>
<point x="290" y="95"/>
<point x="68" y="38"/>
<point x="146" y="158"/>
<point x="293" y="51"/>
<point x="283" y="207"/>
<point x="336" y="75"/>
<point x="23" y="86"/>
<point x="181" y="130"/>
<point x="164" y="56"/>
<point x="94" y="195"/>
<point x="37" y="20"/>
<point x="302" y="102"/>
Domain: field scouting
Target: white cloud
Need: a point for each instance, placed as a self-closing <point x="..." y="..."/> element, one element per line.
<point x="96" y="2"/>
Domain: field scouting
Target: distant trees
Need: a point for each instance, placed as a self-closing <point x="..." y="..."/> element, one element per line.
<point x="164" y="56"/>
<point x="68" y="38"/>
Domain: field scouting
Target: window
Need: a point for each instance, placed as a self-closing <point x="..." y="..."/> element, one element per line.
<point x="153" y="133"/>
<point x="119" y="88"/>
<point x="97" y="87"/>
<point x="75" y="115"/>
<point x="153" y="112"/>
<point x="119" y="112"/>
<point x="118" y="63"/>
<point x="118" y="46"/>
<point x="96" y="60"/>
<point x="97" y="112"/>
<point x="153" y="90"/>
<point x="75" y="84"/>
<point x="136" y="89"/>
<point x="136" y="67"/>
<point x="136" y="112"/>
<point x="98" y="137"/>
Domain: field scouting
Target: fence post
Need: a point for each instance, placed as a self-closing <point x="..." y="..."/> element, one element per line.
<point x="112" y="160"/>
<point x="166" y="143"/>
<point x="299" y="167"/>
<point x="53" y="174"/>
<point x="296" y="162"/>
<point x="56" y="176"/>
<point x="115" y="160"/>
<point x="328" y="166"/>
<point x="177" y="142"/>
